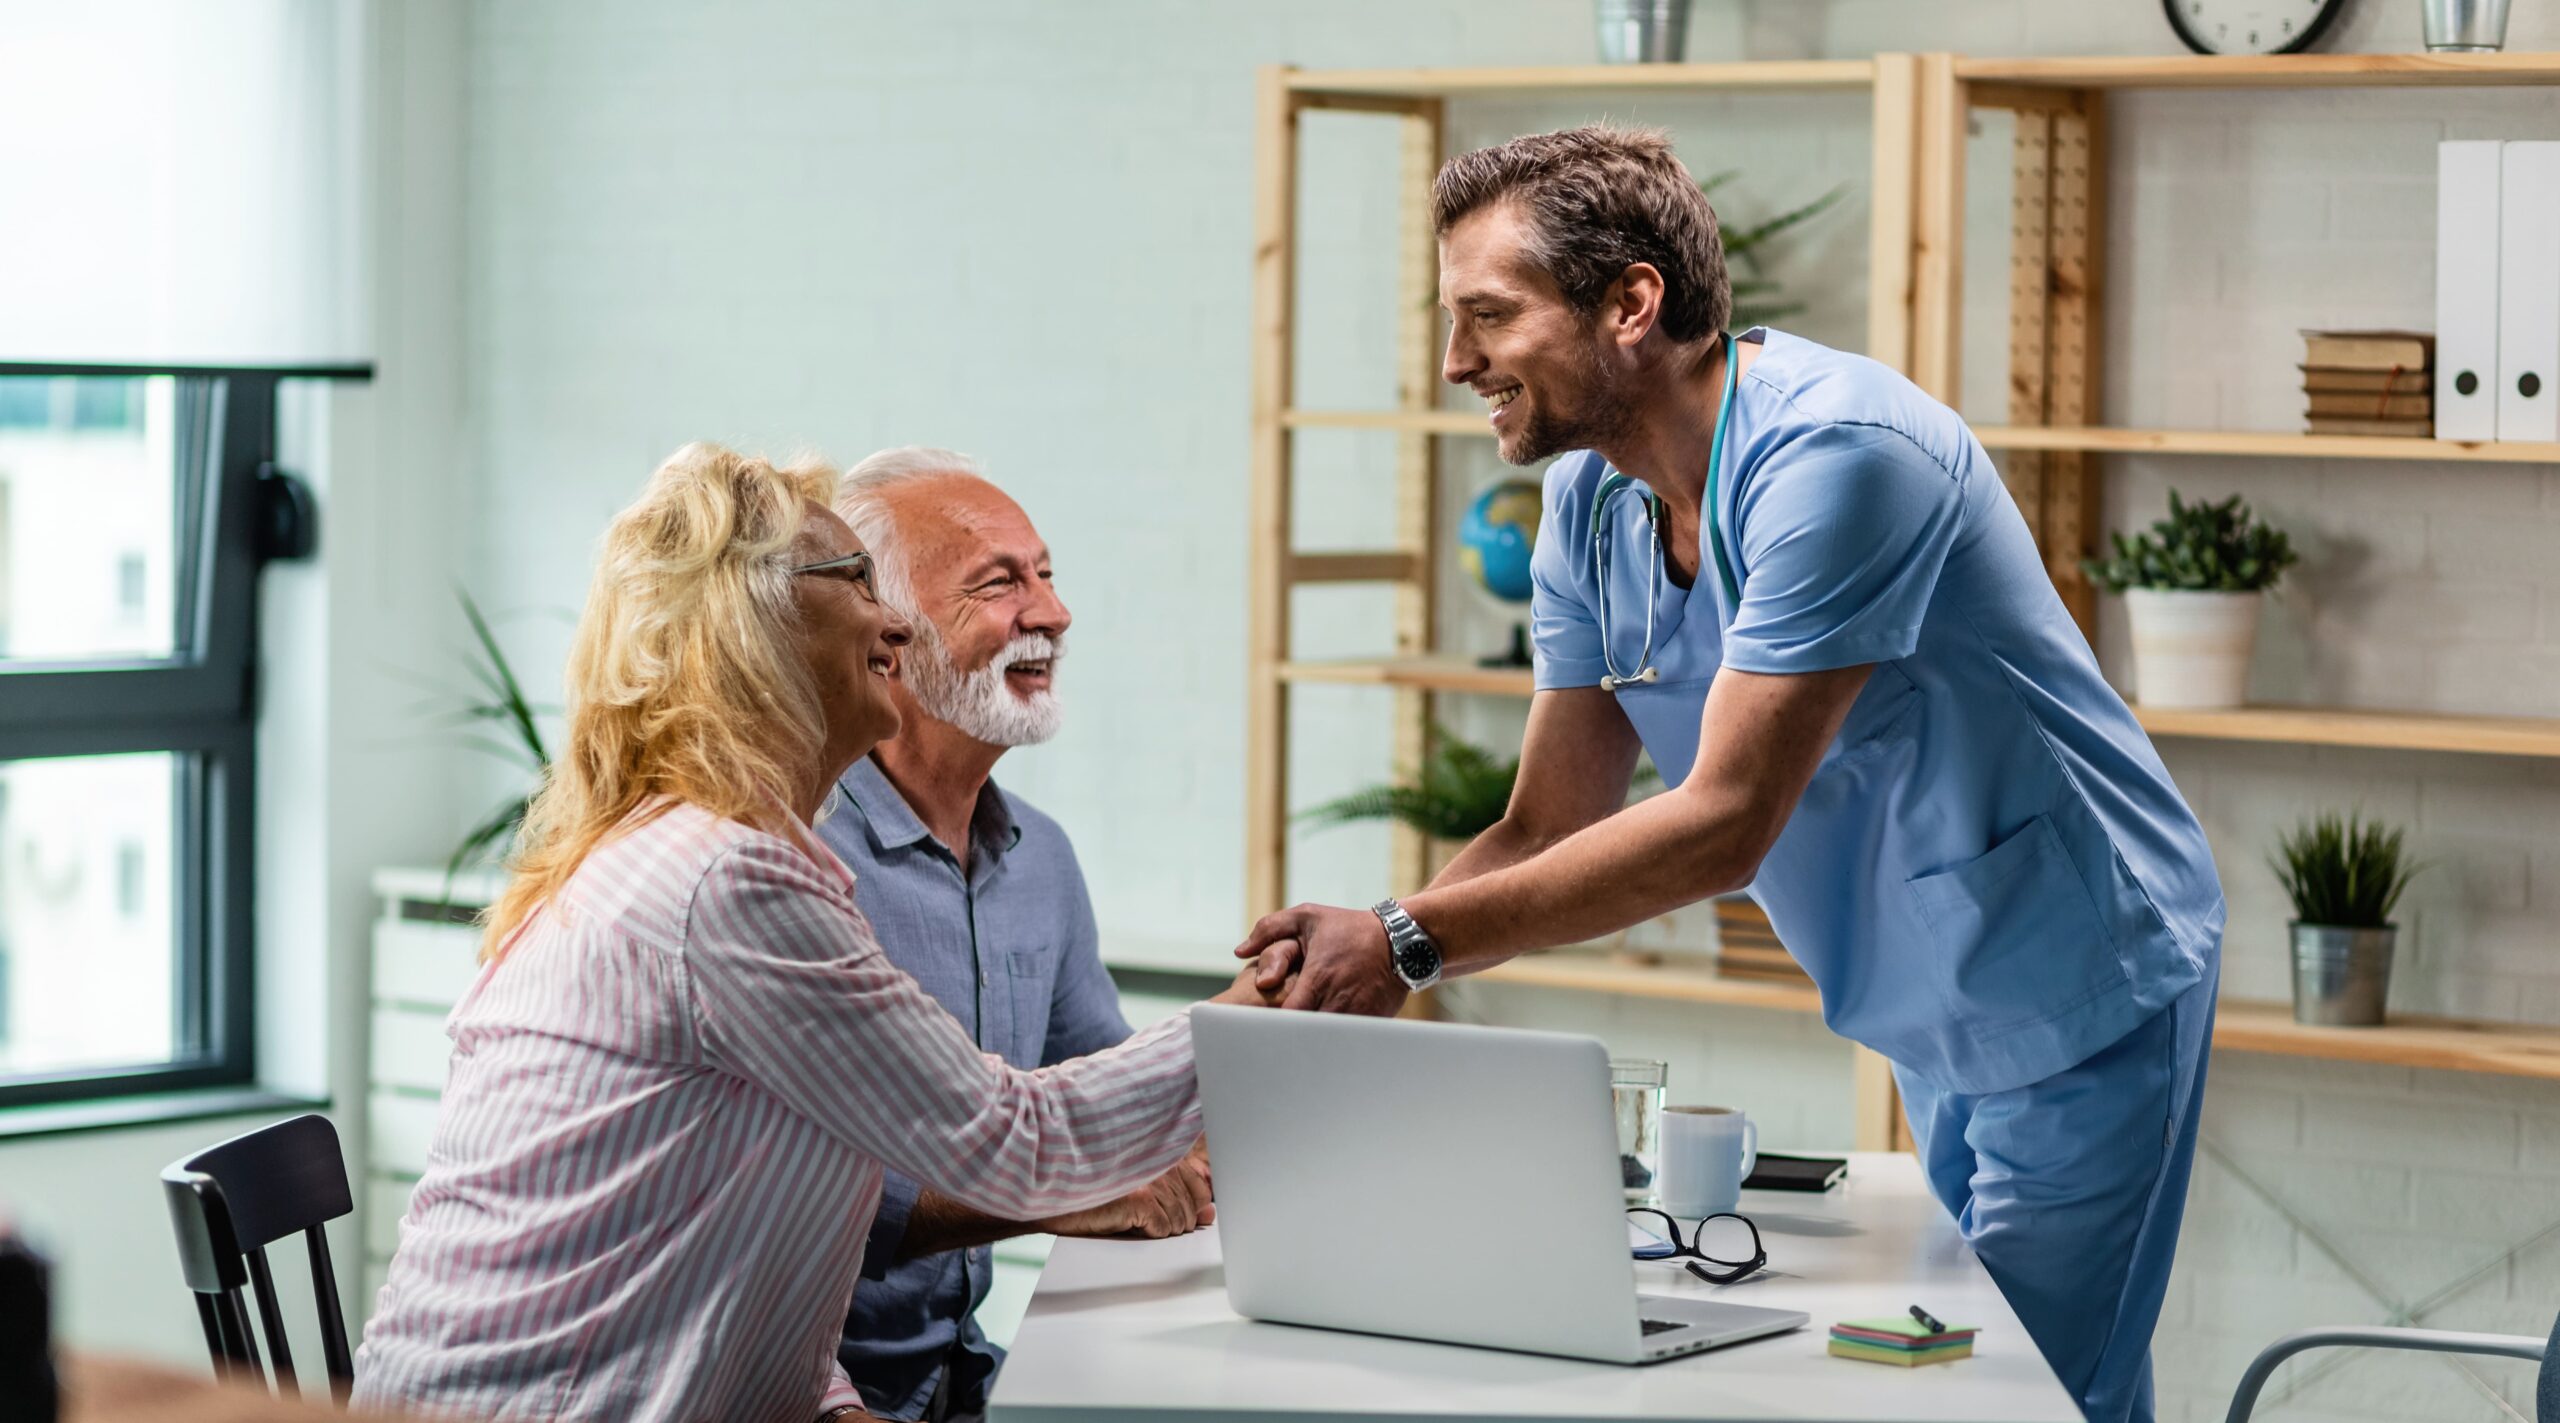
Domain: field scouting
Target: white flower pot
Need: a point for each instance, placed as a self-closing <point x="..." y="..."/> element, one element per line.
<point x="2191" y="649"/>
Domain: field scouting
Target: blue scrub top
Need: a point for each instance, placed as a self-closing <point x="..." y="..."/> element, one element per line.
<point x="1991" y="875"/>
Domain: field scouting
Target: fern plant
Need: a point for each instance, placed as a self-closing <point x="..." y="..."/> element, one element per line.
<point x="1755" y="296"/>
<point x="2207" y="548"/>
<point x="508" y="730"/>
<point x="1460" y="791"/>
<point x="2343" y="871"/>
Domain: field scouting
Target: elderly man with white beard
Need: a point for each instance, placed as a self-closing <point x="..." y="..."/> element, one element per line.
<point x="974" y="893"/>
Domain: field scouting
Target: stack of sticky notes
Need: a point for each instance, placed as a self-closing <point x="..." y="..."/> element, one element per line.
<point x="1898" y="1339"/>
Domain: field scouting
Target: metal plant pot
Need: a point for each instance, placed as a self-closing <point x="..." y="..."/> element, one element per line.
<point x="2341" y="976"/>
<point x="2462" y="25"/>
<point x="1642" y="31"/>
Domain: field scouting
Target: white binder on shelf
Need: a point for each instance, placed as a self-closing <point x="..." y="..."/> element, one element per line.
<point x="2466" y="393"/>
<point x="2529" y="291"/>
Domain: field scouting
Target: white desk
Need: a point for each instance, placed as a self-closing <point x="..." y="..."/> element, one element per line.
<point x="1121" y="1331"/>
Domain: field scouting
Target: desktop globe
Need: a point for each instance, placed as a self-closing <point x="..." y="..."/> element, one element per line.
<point x="1495" y="538"/>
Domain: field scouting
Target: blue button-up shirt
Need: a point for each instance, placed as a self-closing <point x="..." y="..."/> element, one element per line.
<point x="1992" y="875"/>
<point x="1012" y="951"/>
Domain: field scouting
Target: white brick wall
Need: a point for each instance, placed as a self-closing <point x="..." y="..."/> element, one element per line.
<point x="1022" y="229"/>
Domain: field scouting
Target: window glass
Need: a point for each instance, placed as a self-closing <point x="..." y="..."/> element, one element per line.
<point x="89" y="518"/>
<point x="88" y="924"/>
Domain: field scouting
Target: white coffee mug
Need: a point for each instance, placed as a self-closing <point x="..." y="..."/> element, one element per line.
<point x="1706" y="1153"/>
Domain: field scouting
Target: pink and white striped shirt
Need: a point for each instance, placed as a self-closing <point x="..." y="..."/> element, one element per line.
<point x="663" y="1131"/>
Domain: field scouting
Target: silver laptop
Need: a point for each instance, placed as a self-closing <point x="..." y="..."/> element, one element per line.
<point x="1433" y="1181"/>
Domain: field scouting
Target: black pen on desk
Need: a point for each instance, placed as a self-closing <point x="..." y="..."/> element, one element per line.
<point x="1927" y="1320"/>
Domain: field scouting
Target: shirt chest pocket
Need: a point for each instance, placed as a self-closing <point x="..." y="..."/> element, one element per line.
<point x="1031" y="979"/>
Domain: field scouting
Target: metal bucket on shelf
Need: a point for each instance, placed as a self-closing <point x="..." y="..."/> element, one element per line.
<point x="2464" y="25"/>
<point x="2341" y="976"/>
<point x="1642" y="31"/>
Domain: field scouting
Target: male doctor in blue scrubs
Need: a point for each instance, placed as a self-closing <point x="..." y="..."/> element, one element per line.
<point x="1799" y="584"/>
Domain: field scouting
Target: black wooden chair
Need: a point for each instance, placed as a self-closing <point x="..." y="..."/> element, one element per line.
<point x="229" y="1202"/>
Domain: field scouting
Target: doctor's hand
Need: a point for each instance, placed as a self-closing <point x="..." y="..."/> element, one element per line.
<point x="1339" y="958"/>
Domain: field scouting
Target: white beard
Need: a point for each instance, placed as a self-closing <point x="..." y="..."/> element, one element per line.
<point x="979" y="703"/>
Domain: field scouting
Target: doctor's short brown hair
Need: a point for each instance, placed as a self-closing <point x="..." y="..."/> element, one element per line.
<point x="1597" y="200"/>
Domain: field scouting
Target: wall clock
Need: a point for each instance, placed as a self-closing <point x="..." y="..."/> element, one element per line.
<point x="2250" y="26"/>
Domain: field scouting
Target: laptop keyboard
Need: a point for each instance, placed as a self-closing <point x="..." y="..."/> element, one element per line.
<point x="1659" y="1326"/>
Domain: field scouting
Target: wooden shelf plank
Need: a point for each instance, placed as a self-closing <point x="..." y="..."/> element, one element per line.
<point x="1390" y="566"/>
<point x="1814" y="74"/>
<point x="2275" y="71"/>
<point x="2096" y="439"/>
<point x="2437" y="1044"/>
<point x="1586" y="972"/>
<point x="2326" y="726"/>
<point x="1415" y="422"/>
<point x="1431" y="674"/>
<point x="2285" y="725"/>
<point x="2441" y="1044"/>
<point x="2084" y="439"/>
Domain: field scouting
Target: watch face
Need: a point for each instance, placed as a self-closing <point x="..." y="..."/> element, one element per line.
<point x="2250" y="26"/>
<point x="1415" y="961"/>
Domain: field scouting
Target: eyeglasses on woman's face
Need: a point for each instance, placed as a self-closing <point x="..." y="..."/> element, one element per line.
<point x="853" y="568"/>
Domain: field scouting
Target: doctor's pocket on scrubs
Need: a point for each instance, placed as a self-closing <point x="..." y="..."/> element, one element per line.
<point x="2019" y="939"/>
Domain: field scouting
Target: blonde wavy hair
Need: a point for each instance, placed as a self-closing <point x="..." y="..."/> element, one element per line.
<point x="685" y="679"/>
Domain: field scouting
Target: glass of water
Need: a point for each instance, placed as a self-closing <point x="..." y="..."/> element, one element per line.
<point x="1635" y="1092"/>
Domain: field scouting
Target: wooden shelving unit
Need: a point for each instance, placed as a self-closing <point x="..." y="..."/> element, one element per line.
<point x="1901" y="185"/>
<point x="2052" y="444"/>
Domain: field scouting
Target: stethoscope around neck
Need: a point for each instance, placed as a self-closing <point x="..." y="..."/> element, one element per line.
<point x="1610" y="484"/>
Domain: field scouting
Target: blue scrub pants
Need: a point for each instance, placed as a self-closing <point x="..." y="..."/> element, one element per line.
<point x="2071" y="1190"/>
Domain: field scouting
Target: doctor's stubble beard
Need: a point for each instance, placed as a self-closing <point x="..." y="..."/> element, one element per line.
<point x="979" y="703"/>
<point x="1603" y="415"/>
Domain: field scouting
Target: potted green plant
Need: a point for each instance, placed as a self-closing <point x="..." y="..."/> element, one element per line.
<point x="2191" y="586"/>
<point x="2345" y="875"/>
<point x="505" y="725"/>
<point x="1757" y="298"/>
<point x="1459" y="792"/>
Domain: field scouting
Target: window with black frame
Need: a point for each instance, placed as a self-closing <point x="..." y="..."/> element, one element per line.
<point x="136" y="507"/>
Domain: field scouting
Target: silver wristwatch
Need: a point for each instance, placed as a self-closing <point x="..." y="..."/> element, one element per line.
<point x="1411" y="952"/>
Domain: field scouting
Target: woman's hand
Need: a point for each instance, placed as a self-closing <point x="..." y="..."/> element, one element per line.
<point x="1176" y="1203"/>
<point x="1247" y="991"/>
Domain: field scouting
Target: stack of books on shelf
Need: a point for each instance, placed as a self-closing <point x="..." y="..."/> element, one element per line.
<point x="1898" y="1341"/>
<point x="1746" y="947"/>
<point x="2370" y="382"/>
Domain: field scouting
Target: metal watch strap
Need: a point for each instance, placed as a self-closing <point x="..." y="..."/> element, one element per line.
<point x="1406" y="939"/>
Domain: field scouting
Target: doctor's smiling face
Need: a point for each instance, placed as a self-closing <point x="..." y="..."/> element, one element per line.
<point x="1544" y="369"/>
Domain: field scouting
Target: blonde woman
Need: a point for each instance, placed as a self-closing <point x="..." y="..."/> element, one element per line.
<point x="686" y="1061"/>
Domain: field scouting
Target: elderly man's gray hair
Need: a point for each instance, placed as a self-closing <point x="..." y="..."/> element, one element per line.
<point x="862" y="502"/>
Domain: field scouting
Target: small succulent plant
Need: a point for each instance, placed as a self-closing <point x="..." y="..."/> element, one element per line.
<point x="2204" y="548"/>
<point x="2343" y="871"/>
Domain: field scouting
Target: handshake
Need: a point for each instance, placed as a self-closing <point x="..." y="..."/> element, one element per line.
<point x="1315" y="956"/>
